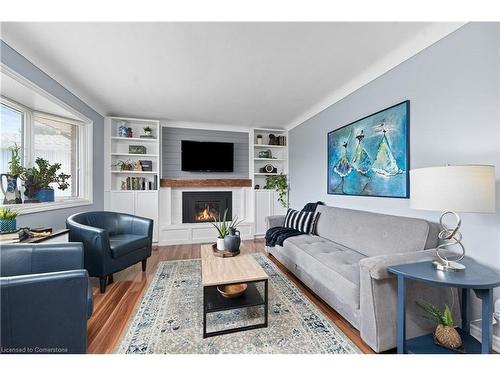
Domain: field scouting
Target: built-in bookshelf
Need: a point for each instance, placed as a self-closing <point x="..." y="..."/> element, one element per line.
<point x="264" y="153"/>
<point x="139" y="152"/>
<point x="132" y="189"/>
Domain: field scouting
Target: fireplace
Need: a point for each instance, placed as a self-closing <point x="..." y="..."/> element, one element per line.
<point x="205" y="206"/>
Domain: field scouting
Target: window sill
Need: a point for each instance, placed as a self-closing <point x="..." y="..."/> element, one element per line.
<point x="30" y="208"/>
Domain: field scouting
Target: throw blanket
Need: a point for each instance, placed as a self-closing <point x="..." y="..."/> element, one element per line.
<point x="277" y="235"/>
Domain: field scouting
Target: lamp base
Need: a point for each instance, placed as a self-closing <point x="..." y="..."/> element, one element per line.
<point x="449" y="266"/>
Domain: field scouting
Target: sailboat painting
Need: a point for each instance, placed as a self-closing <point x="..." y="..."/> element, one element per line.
<point x="370" y="156"/>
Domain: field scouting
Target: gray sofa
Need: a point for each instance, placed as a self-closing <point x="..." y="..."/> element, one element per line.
<point x="346" y="262"/>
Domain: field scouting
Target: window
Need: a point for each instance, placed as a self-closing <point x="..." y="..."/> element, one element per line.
<point x="11" y="128"/>
<point x="54" y="138"/>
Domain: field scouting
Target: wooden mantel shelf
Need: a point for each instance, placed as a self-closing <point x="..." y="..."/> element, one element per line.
<point x="212" y="182"/>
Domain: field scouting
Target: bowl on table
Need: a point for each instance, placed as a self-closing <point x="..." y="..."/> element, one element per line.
<point x="232" y="291"/>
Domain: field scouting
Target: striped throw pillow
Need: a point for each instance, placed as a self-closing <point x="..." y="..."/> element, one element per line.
<point x="299" y="220"/>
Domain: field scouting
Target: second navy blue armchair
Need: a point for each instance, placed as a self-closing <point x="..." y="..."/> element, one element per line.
<point x="46" y="298"/>
<point x="112" y="241"/>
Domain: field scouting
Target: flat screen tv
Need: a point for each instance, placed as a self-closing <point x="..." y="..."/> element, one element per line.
<point x="207" y="156"/>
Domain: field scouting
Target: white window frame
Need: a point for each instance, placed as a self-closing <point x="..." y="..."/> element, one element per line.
<point x="85" y="149"/>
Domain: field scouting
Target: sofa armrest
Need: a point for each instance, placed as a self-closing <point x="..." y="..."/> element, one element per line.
<point x="376" y="266"/>
<point x="46" y="311"/>
<point x="274" y="221"/>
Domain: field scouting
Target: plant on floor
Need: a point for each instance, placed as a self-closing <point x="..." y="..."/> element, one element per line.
<point x="445" y="332"/>
<point x="280" y="184"/>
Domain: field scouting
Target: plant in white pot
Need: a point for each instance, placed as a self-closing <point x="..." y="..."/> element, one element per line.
<point x="222" y="225"/>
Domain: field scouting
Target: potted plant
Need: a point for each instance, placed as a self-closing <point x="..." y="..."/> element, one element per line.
<point x="280" y="184"/>
<point x="37" y="180"/>
<point x="259" y="139"/>
<point x="223" y="226"/>
<point x="7" y="220"/>
<point x="11" y="192"/>
<point x="445" y="333"/>
<point x="148" y="131"/>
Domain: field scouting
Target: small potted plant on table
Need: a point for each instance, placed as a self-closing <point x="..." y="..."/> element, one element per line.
<point x="224" y="228"/>
<point x="7" y="220"/>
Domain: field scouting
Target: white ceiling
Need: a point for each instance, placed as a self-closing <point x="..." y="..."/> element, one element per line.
<point x="250" y="74"/>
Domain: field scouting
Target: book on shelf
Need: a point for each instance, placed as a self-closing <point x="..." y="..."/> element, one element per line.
<point x="139" y="183"/>
<point x="282" y="140"/>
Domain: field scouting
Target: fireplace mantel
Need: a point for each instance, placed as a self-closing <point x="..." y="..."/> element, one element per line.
<point x="211" y="182"/>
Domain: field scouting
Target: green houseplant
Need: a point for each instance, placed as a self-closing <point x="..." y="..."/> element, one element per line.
<point x="11" y="192"/>
<point x="148" y="131"/>
<point x="280" y="184"/>
<point x="7" y="220"/>
<point x="445" y="332"/>
<point x="37" y="180"/>
<point x="222" y="225"/>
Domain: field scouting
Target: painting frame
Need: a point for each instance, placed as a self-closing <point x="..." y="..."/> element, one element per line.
<point x="405" y="142"/>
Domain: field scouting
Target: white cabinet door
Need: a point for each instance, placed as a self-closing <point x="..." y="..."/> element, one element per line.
<point x="278" y="208"/>
<point x="146" y="205"/>
<point x="263" y="208"/>
<point x="121" y="201"/>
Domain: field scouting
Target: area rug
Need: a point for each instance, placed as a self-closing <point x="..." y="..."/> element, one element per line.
<point x="169" y="319"/>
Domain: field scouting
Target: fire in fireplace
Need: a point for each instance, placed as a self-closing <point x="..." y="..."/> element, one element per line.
<point x="205" y="206"/>
<point x="207" y="213"/>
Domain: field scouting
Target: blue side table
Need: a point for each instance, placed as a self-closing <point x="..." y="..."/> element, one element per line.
<point x="479" y="278"/>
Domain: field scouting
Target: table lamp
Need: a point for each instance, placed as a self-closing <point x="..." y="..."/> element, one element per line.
<point x="452" y="189"/>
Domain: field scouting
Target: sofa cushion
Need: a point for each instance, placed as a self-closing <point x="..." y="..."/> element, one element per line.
<point x="373" y="234"/>
<point x="333" y="265"/>
<point x="122" y="244"/>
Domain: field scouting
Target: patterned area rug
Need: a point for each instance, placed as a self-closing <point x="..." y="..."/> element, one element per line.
<point x="169" y="319"/>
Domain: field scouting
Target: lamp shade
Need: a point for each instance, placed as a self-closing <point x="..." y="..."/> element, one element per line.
<point x="459" y="188"/>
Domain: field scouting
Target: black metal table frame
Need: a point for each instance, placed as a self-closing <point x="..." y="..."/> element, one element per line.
<point x="233" y="307"/>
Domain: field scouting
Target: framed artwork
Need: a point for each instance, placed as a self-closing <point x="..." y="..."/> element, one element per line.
<point x="371" y="156"/>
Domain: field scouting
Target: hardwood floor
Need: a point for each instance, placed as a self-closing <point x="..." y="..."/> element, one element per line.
<point x="113" y="310"/>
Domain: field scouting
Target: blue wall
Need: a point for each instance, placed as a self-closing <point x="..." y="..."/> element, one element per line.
<point x="56" y="218"/>
<point x="454" y="90"/>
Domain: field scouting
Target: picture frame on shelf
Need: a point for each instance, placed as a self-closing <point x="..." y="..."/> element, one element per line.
<point x="137" y="149"/>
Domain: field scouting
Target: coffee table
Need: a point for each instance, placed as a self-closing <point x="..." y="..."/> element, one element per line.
<point x="217" y="271"/>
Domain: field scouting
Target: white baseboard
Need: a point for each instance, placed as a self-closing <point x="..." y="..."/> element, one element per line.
<point x="476" y="332"/>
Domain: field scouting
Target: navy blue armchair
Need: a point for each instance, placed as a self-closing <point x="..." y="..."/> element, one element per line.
<point x="112" y="241"/>
<point x="46" y="298"/>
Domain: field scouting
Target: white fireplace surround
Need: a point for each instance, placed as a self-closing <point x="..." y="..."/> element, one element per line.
<point x="172" y="231"/>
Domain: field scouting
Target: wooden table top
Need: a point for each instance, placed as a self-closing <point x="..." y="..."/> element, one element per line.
<point x="220" y="271"/>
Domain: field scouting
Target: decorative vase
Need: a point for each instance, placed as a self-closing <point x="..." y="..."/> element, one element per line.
<point x="11" y="193"/>
<point x="122" y="129"/>
<point x="45" y="195"/>
<point x="220" y="244"/>
<point x="232" y="240"/>
<point x="7" y="225"/>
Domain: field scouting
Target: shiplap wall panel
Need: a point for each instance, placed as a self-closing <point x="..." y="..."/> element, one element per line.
<point x="171" y="152"/>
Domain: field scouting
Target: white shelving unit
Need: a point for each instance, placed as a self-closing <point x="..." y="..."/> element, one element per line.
<point x="266" y="201"/>
<point x="142" y="201"/>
